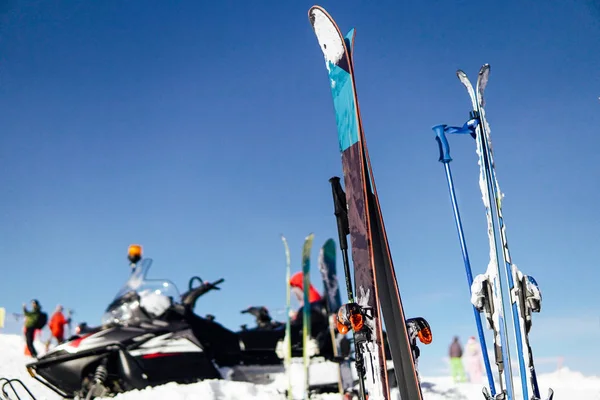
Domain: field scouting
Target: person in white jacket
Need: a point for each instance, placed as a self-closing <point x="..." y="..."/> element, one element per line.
<point x="473" y="360"/>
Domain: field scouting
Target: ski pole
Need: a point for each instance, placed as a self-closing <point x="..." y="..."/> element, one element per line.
<point x="341" y="216"/>
<point x="444" y="147"/>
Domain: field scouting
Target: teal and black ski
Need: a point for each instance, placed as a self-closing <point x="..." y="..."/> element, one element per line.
<point x="331" y="290"/>
<point x="306" y="321"/>
<point x="374" y="275"/>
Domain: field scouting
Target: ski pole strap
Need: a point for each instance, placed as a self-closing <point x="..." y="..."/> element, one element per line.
<point x="440" y="136"/>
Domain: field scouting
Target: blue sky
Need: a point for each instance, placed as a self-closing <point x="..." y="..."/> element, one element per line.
<point x="204" y="130"/>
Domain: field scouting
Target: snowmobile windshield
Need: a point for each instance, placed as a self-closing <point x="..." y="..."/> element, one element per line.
<point x="125" y="305"/>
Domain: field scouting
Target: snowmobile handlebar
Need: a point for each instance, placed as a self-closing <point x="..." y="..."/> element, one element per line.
<point x="256" y="311"/>
<point x="202" y="283"/>
<point x="189" y="298"/>
<point x="213" y="285"/>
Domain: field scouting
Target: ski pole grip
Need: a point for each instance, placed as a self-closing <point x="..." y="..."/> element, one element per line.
<point x="444" y="147"/>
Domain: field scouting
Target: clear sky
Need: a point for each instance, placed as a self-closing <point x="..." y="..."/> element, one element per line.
<point x="204" y="130"/>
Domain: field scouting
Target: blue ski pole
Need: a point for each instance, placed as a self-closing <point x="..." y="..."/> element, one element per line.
<point x="444" y="147"/>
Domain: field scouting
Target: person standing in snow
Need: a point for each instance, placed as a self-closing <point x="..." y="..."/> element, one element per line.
<point x="57" y="326"/>
<point x="473" y="362"/>
<point x="456" y="366"/>
<point x="32" y="322"/>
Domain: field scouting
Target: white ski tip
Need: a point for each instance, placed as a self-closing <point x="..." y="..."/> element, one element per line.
<point x="327" y="34"/>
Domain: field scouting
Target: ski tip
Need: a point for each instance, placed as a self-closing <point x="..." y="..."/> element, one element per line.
<point x="460" y="73"/>
<point x="328" y="35"/>
<point x="485" y="68"/>
<point x="308" y="241"/>
<point x="350" y="37"/>
<point x="313" y="11"/>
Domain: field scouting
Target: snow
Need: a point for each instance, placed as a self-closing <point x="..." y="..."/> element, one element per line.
<point x="328" y="37"/>
<point x="567" y="384"/>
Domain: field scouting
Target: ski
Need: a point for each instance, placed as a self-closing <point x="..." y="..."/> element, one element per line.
<point x="333" y="299"/>
<point x="306" y="320"/>
<point x="487" y="289"/>
<point x="331" y="290"/>
<point x="374" y="275"/>
<point x="491" y="280"/>
<point x="519" y="286"/>
<point x="288" y="328"/>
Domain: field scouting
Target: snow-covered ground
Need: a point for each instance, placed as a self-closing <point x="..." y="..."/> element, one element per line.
<point x="567" y="384"/>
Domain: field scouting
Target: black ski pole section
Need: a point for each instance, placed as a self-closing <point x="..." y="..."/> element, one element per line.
<point x="341" y="216"/>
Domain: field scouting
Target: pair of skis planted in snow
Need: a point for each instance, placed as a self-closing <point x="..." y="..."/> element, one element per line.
<point x="375" y="281"/>
<point x="327" y="267"/>
<point x="306" y="320"/>
<point x="487" y="289"/>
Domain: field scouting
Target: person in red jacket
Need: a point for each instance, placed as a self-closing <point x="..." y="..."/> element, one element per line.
<point x="297" y="286"/>
<point x="317" y="303"/>
<point x="319" y="320"/>
<point x="57" y="326"/>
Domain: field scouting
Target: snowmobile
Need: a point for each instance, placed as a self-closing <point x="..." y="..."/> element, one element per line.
<point x="150" y="336"/>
